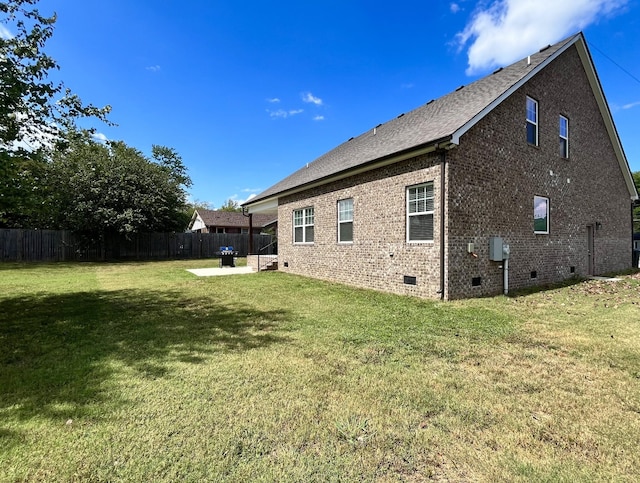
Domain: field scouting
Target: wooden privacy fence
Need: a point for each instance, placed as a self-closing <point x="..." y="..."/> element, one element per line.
<point x="58" y="245"/>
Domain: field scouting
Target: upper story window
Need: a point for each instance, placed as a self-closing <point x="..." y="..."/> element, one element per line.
<point x="303" y="225"/>
<point x="564" y="137"/>
<point x="420" y="201"/>
<point x="532" y="121"/>
<point x="345" y="221"/>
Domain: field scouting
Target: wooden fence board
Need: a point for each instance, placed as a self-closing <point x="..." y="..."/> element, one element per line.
<point x="57" y="245"/>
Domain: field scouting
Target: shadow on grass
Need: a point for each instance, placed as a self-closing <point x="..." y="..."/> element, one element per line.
<point x="62" y="354"/>
<point x="523" y="292"/>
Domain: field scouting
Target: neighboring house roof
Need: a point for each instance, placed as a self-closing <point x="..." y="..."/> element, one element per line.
<point x="230" y="219"/>
<point x="441" y="122"/>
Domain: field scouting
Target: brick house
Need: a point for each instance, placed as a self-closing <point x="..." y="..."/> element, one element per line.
<point x="527" y="156"/>
<point x="230" y="222"/>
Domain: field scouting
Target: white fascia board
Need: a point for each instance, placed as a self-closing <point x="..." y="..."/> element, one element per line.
<point x="268" y="205"/>
<point x="455" y="139"/>
<point x="596" y="87"/>
<point x="194" y="219"/>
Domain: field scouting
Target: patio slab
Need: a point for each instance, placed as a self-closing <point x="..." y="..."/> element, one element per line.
<point x="216" y="272"/>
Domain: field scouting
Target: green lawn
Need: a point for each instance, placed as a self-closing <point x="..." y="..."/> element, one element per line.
<point x="144" y="372"/>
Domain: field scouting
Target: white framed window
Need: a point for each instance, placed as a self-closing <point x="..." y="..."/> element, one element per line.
<point x="532" y="121"/>
<point x="345" y="221"/>
<point x="564" y="137"/>
<point x="303" y="225"/>
<point x="540" y="215"/>
<point x="244" y="231"/>
<point x="220" y="230"/>
<point x="420" y="199"/>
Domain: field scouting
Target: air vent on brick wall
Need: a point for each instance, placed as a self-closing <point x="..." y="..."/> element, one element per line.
<point x="410" y="280"/>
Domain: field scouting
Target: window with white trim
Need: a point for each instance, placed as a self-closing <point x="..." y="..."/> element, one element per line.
<point x="303" y="225"/>
<point x="564" y="137"/>
<point x="345" y="221"/>
<point x="540" y="215"/>
<point x="532" y="121"/>
<point x="420" y="201"/>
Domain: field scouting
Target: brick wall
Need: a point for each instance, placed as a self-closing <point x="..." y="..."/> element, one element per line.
<point x="379" y="256"/>
<point x="492" y="178"/>
<point x="495" y="174"/>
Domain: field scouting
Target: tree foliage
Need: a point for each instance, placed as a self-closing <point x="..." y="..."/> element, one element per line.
<point x="230" y="205"/>
<point x="34" y="110"/>
<point x="32" y="107"/>
<point x="103" y="189"/>
<point x="53" y="175"/>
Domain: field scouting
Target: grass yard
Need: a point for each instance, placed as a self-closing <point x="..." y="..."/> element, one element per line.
<point x="144" y="372"/>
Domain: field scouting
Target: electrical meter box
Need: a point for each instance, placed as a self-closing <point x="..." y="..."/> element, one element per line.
<point x="496" y="249"/>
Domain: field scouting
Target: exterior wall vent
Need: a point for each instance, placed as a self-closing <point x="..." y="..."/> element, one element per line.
<point x="410" y="280"/>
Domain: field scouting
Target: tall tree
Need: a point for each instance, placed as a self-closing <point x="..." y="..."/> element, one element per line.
<point x="33" y="109"/>
<point x="102" y="189"/>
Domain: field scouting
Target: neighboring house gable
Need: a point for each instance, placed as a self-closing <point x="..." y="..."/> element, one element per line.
<point x="213" y="221"/>
<point x="529" y="154"/>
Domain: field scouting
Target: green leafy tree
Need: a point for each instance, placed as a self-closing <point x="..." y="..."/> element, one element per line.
<point x="105" y="189"/>
<point x="33" y="109"/>
<point x="196" y="205"/>
<point x="230" y="205"/>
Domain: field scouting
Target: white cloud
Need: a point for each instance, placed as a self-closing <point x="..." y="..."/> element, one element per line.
<point x="454" y="7"/>
<point x="5" y="33"/>
<point x="239" y="200"/>
<point x="408" y="85"/>
<point x="273" y="100"/>
<point x="318" y="118"/>
<point x="281" y="113"/>
<point x="310" y="98"/>
<point x="153" y="68"/>
<point x="507" y="30"/>
<point x="98" y="136"/>
<point x="631" y="105"/>
<point x="251" y="190"/>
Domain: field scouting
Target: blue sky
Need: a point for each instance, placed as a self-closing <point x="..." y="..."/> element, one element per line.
<point x="248" y="92"/>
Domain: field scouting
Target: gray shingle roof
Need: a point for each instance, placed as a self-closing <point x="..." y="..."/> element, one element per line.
<point x="435" y="121"/>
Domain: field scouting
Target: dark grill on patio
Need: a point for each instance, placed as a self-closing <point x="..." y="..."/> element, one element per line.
<point x="226" y="255"/>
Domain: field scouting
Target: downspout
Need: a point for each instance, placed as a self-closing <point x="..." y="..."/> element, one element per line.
<point x="245" y="212"/>
<point x="505" y="272"/>
<point x="443" y="166"/>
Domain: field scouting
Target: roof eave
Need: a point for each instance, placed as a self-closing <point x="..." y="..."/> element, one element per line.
<point x="603" y="105"/>
<point x="393" y="158"/>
